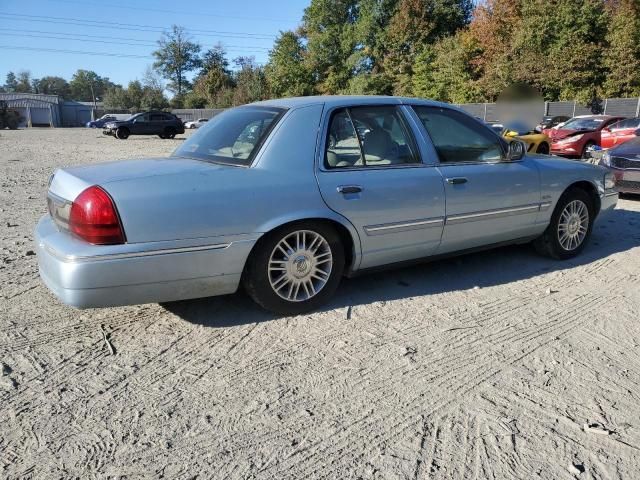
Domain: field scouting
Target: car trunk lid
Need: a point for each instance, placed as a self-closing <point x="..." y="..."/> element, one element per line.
<point x="67" y="183"/>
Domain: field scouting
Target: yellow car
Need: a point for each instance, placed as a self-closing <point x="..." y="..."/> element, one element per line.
<point x="536" y="142"/>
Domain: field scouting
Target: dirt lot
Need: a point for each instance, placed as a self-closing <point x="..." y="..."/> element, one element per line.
<point x="485" y="366"/>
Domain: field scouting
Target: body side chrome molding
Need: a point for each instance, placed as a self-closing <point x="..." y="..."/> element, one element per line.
<point x="120" y="256"/>
<point x="401" y="226"/>
<point x="497" y="213"/>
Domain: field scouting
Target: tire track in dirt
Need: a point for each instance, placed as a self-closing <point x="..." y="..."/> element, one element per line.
<point x="456" y="388"/>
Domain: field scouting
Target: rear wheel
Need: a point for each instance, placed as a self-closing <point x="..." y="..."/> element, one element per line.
<point x="543" y="148"/>
<point x="295" y="269"/>
<point x="570" y="226"/>
<point x="170" y="132"/>
<point x="162" y="136"/>
<point x="122" y="133"/>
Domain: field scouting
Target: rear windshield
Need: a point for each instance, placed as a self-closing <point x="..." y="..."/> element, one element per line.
<point x="232" y="137"/>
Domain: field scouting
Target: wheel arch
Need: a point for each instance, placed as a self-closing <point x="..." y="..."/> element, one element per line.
<point x="345" y="230"/>
<point x="590" y="189"/>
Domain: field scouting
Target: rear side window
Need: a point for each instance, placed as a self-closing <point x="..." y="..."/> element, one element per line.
<point x="232" y="137"/>
<point x="458" y="138"/>
<point x="628" y="123"/>
<point x="372" y="136"/>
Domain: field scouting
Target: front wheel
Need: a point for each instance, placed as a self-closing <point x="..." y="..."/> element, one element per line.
<point x="122" y="133"/>
<point x="543" y="149"/>
<point x="570" y="226"/>
<point x="295" y="269"/>
<point x="586" y="153"/>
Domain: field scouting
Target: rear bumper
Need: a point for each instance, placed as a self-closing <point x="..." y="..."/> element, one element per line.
<point x="139" y="273"/>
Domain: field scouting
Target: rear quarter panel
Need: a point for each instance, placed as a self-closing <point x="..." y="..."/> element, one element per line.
<point x="206" y="203"/>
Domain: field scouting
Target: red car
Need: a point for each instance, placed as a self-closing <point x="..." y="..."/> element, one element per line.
<point x="575" y="137"/>
<point x="620" y="132"/>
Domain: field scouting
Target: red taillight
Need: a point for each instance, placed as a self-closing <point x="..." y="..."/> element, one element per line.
<point x="94" y="218"/>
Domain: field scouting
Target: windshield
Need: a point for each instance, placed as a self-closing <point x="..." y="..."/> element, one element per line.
<point x="233" y="136"/>
<point x="592" y="123"/>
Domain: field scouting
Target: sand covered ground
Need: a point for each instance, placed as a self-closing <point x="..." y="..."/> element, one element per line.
<point x="484" y="366"/>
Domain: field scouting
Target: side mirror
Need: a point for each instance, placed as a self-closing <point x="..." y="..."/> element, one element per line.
<point x="516" y="151"/>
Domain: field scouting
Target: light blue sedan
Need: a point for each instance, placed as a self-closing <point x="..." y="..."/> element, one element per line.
<point x="286" y="197"/>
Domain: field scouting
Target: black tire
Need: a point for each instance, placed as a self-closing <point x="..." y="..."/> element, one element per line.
<point x="587" y="146"/>
<point x="122" y="133"/>
<point x="162" y="136"/>
<point x="543" y="148"/>
<point x="169" y="132"/>
<point x="548" y="244"/>
<point x="256" y="276"/>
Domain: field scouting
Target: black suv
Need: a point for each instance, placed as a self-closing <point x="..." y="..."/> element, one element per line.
<point x="163" y="124"/>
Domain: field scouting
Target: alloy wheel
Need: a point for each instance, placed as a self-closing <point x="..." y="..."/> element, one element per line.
<point x="300" y="266"/>
<point x="573" y="225"/>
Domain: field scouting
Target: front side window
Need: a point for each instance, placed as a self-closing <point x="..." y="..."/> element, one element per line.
<point x="372" y="136"/>
<point x="458" y="138"/>
<point x="232" y="137"/>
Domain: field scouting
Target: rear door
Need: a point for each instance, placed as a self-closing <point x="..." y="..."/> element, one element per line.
<point x="371" y="172"/>
<point x="489" y="200"/>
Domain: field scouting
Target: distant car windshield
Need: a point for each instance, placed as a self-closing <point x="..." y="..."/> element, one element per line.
<point x="592" y="123"/>
<point x="232" y="137"/>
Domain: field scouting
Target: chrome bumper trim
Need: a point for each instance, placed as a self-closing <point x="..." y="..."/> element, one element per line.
<point x="120" y="256"/>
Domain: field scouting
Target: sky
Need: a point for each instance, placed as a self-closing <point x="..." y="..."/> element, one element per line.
<point x="128" y="29"/>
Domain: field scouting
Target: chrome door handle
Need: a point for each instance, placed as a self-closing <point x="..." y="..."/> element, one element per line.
<point x="345" y="189"/>
<point x="456" y="180"/>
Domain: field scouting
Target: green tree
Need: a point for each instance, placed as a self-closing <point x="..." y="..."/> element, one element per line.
<point x="328" y="26"/>
<point x="52" y="85"/>
<point x="116" y="98"/>
<point x="215" y="59"/>
<point x="23" y="84"/>
<point x="11" y="83"/>
<point x="444" y="71"/>
<point x="176" y="56"/>
<point x="85" y="85"/>
<point x="214" y="77"/>
<point x="250" y="82"/>
<point x="415" y="24"/>
<point x="622" y="57"/>
<point x="286" y="71"/>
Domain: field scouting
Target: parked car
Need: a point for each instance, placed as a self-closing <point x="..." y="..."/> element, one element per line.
<point x="162" y="124"/>
<point x="285" y="197"/>
<point x="536" y="142"/>
<point x="109" y="117"/>
<point x="576" y="137"/>
<point x="196" y="123"/>
<point x="551" y="121"/>
<point x="620" y="132"/>
<point x="624" y="162"/>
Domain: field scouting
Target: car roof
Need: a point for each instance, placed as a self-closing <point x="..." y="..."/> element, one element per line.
<point x="597" y="116"/>
<point x="346" y="100"/>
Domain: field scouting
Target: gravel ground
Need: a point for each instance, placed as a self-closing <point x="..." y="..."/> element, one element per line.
<point x="484" y="366"/>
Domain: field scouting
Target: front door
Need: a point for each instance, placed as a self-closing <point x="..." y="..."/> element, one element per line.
<point x="372" y="174"/>
<point x="489" y="200"/>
